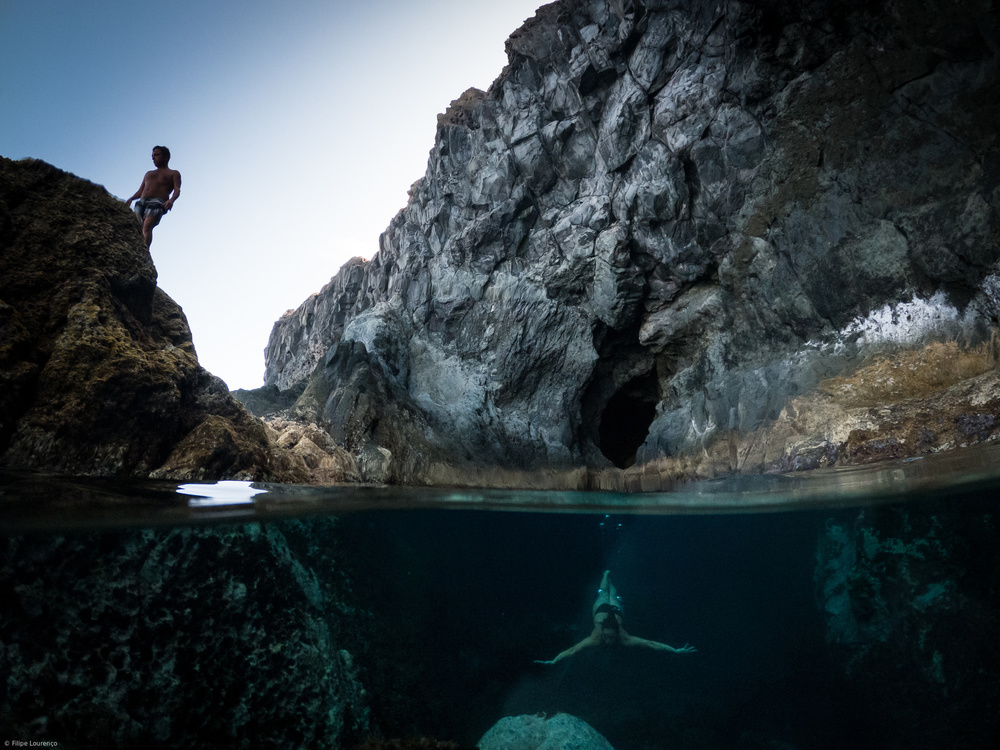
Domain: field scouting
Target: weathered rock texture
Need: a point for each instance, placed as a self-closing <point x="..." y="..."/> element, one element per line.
<point x="198" y="638"/>
<point x="541" y="733"/>
<point x="911" y="617"/>
<point x="98" y="373"/>
<point x="688" y="237"/>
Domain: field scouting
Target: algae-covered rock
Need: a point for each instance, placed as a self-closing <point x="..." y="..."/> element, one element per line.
<point x="98" y="370"/>
<point x="910" y="608"/>
<point x="559" y="732"/>
<point x="185" y="637"/>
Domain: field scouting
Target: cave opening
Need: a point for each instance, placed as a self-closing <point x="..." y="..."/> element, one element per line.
<point x="626" y="419"/>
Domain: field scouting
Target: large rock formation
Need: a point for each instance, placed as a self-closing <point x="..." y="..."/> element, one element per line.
<point x="98" y="373"/>
<point x="695" y="237"/>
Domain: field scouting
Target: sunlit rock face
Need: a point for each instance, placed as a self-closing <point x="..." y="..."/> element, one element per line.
<point x="98" y="373"/>
<point x="687" y="238"/>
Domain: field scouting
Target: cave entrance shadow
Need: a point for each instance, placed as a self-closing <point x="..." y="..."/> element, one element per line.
<point x="626" y="419"/>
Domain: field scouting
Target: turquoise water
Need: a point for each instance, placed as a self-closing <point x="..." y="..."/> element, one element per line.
<point x="847" y="608"/>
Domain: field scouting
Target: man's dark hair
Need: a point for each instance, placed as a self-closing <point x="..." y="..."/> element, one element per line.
<point x="165" y="150"/>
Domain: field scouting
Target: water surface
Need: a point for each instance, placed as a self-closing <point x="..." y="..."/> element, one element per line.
<point x="32" y="501"/>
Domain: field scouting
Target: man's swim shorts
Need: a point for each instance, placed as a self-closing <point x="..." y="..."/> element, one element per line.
<point x="149" y="207"/>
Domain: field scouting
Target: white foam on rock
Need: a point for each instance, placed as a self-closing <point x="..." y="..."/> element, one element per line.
<point x="903" y="323"/>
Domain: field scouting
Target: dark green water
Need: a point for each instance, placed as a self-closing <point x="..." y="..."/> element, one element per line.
<point x="853" y="608"/>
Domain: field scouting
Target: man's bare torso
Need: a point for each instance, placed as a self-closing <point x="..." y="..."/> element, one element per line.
<point x="158" y="183"/>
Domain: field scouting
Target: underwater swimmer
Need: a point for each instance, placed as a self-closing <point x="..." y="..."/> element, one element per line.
<point x="608" y="630"/>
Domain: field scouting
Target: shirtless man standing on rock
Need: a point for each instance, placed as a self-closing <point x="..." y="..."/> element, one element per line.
<point x="154" y="192"/>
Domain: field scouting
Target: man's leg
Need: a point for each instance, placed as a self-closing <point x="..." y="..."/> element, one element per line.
<point x="151" y="220"/>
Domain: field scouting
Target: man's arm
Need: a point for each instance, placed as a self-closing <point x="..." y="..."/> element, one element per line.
<point x="137" y="192"/>
<point x="169" y="202"/>
<point x="631" y="640"/>
<point x="587" y="642"/>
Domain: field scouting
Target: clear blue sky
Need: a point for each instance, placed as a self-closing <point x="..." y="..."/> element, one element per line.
<point x="298" y="126"/>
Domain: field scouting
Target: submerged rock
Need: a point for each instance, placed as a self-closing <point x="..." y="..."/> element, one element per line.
<point x="185" y="637"/>
<point x="98" y="370"/>
<point x="679" y="239"/>
<point x="559" y="732"/>
<point x="911" y="616"/>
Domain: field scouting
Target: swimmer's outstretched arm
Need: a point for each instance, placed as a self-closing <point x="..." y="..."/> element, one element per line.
<point x="631" y="640"/>
<point x="590" y="640"/>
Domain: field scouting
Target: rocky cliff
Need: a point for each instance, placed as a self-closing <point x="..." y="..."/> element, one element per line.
<point x="679" y="238"/>
<point x="98" y="370"/>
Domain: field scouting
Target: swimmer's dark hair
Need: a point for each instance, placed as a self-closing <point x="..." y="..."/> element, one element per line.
<point x="164" y="149"/>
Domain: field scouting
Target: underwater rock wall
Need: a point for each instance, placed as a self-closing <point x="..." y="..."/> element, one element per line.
<point x="912" y="618"/>
<point x="666" y="238"/>
<point x="98" y="372"/>
<point x="185" y="637"/>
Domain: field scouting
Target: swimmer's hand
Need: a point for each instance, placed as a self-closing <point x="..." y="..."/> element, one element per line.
<point x="687" y="648"/>
<point x="539" y="661"/>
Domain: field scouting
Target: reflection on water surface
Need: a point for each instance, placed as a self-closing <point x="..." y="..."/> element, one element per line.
<point x="34" y="501"/>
